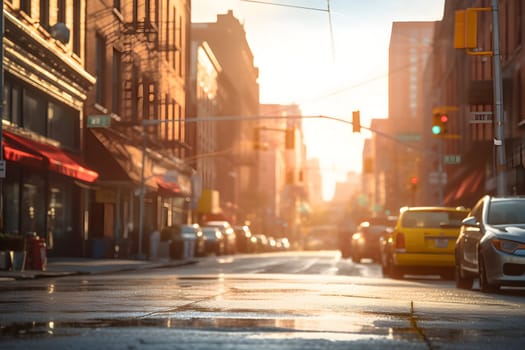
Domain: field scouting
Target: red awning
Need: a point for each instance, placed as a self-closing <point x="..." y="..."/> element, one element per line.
<point x="469" y="185"/>
<point x="17" y="155"/>
<point x="57" y="159"/>
<point x="168" y="187"/>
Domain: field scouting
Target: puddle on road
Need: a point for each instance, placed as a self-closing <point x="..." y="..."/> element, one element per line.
<point x="385" y="326"/>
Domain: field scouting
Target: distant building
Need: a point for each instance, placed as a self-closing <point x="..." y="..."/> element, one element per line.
<point x="236" y="170"/>
<point x="314" y="181"/>
<point x="282" y="167"/>
<point x="410" y="47"/>
<point x="203" y="102"/>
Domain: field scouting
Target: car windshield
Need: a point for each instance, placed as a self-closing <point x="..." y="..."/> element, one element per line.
<point x="506" y="212"/>
<point x="431" y="219"/>
<point x="375" y="229"/>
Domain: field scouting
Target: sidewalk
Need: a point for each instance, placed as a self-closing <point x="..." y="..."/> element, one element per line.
<point x="59" y="267"/>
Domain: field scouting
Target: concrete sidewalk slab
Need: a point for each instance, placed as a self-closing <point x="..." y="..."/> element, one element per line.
<point x="59" y="267"/>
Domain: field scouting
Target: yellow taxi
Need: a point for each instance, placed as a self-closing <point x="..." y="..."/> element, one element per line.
<point x="422" y="242"/>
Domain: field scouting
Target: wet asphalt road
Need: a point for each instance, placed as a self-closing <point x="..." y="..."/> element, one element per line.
<point x="308" y="300"/>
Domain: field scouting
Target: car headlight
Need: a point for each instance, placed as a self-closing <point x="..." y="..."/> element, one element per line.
<point x="357" y="236"/>
<point x="509" y="247"/>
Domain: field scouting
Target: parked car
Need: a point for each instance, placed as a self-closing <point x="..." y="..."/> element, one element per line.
<point x="228" y="235"/>
<point x="243" y="236"/>
<point x="283" y="243"/>
<point x="365" y="241"/>
<point x="491" y="244"/>
<point x="261" y="243"/>
<point x="185" y="240"/>
<point x="193" y="232"/>
<point x="213" y="240"/>
<point x="422" y="242"/>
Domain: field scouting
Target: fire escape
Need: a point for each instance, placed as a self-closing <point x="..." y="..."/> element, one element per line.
<point x="142" y="71"/>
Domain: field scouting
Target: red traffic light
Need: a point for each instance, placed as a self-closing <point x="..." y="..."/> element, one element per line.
<point x="443" y="118"/>
<point x="414" y="180"/>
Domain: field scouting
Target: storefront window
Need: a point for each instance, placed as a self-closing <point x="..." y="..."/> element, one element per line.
<point x="33" y="205"/>
<point x="59" y="224"/>
<point x="12" y="196"/>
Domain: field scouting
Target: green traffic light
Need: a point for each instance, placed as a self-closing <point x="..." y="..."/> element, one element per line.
<point x="436" y="129"/>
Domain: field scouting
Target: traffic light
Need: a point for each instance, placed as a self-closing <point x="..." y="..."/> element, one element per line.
<point x="290" y="138"/>
<point x="444" y="123"/>
<point x="356" y="121"/>
<point x="414" y="182"/>
<point x="256" y="139"/>
<point x="439" y="124"/>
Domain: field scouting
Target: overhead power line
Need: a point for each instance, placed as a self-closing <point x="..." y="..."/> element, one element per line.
<point x="287" y="5"/>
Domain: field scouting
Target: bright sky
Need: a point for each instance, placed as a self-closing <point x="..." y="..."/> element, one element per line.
<point x="327" y="64"/>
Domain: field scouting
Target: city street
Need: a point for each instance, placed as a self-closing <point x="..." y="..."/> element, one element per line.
<point x="292" y="300"/>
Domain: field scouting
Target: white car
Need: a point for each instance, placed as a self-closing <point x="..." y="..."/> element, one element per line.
<point x="491" y="244"/>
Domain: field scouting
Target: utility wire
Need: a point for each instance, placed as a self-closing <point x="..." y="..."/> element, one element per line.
<point x="306" y="8"/>
<point x="287" y="5"/>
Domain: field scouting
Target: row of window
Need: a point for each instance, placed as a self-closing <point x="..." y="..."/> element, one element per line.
<point x="29" y="108"/>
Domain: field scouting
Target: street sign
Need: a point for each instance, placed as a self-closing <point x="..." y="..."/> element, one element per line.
<point x="452" y="159"/>
<point x="409" y="137"/>
<point x="437" y="178"/>
<point x="98" y="121"/>
<point x="480" y="118"/>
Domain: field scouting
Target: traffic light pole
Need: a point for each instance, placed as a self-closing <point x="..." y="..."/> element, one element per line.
<point x="499" y="127"/>
<point x="440" y="171"/>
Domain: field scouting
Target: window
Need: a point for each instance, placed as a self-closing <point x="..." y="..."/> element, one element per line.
<point x="61" y="11"/>
<point x="64" y="125"/>
<point x="59" y="211"/>
<point x="100" y="56"/>
<point x="25" y="5"/>
<point x="167" y="39"/>
<point x="33" y="204"/>
<point x="518" y="22"/>
<point x="13" y="98"/>
<point x="180" y="47"/>
<point x="44" y="14"/>
<point x="34" y="110"/>
<point x="116" y="93"/>
<point x="135" y="93"/>
<point x="76" y="27"/>
<point x="12" y="196"/>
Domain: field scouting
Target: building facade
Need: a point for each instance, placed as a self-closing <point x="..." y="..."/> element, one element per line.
<point x="239" y="97"/>
<point x="46" y="188"/>
<point x="410" y="47"/>
<point x="467" y="83"/>
<point x="135" y="131"/>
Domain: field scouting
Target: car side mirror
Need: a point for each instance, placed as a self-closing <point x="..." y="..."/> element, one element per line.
<point x="470" y="221"/>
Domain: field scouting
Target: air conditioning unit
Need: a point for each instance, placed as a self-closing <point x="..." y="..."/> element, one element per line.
<point x="60" y="32"/>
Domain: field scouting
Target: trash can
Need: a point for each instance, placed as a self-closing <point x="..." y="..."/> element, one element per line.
<point x="37" y="253"/>
<point x="189" y="245"/>
<point x="177" y="248"/>
<point x="154" y="240"/>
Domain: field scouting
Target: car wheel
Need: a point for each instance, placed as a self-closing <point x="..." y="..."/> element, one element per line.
<point x="392" y="271"/>
<point x="484" y="284"/>
<point x="461" y="281"/>
<point x="396" y="272"/>
<point x="448" y="274"/>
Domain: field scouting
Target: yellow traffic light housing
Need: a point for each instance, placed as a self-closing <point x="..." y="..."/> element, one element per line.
<point x="356" y="121"/>
<point x="437" y="126"/>
<point x="290" y="138"/>
<point x="256" y="139"/>
<point x="466" y="30"/>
